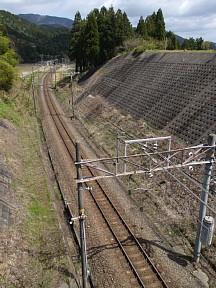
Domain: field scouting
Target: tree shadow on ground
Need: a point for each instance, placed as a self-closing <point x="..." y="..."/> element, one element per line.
<point x="148" y="246"/>
<point x="179" y="258"/>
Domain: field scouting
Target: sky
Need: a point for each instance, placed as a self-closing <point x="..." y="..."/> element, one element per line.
<point x="186" y="18"/>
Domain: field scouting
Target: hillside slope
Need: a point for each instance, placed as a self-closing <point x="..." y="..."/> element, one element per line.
<point x="175" y="92"/>
<point x="32" y="42"/>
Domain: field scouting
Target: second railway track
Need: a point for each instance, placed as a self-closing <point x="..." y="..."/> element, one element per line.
<point x="144" y="271"/>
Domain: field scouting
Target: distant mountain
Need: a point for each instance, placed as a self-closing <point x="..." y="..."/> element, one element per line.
<point x="213" y="45"/>
<point x="47" y="21"/>
<point x="34" y="42"/>
<point x="180" y="39"/>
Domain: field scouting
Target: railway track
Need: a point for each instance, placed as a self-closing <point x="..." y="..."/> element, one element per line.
<point x="144" y="271"/>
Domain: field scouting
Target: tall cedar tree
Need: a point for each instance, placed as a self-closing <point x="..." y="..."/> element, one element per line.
<point x="108" y="40"/>
<point x="160" y="32"/>
<point x="119" y="28"/>
<point x="127" y="27"/>
<point x="91" y="44"/>
<point x="75" y="48"/>
<point x="141" y="28"/>
<point x="103" y="34"/>
<point x="94" y="40"/>
<point x="155" y="26"/>
<point x="151" y="25"/>
<point x="172" y="42"/>
<point x="114" y="28"/>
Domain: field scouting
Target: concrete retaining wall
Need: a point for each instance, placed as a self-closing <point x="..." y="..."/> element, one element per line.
<point x="171" y="91"/>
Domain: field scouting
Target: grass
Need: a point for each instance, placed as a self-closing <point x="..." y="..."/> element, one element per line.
<point x="36" y="209"/>
<point x="62" y="96"/>
<point x="42" y="230"/>
<point x="41" y="252"/>
<point x="23" y="68"/>
<point x="7" y="112"/>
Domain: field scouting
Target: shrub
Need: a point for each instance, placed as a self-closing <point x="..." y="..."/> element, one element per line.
<point x="7" y="73"/>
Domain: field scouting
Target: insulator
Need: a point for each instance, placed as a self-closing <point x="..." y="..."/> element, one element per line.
<point x="155" y="146"/>
<point x="144" y="146"/>
<point x="150" y="174"/>
<point x="190" y="154"/>
<point x="191" y="168"/>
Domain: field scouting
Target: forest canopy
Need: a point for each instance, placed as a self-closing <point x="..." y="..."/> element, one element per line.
<point x="94" y="40"/>
<point x="103" y="33"/>
<point x="32" y="42"/>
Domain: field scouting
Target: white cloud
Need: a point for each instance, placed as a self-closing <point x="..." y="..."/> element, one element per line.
<point x="183" y="16"/>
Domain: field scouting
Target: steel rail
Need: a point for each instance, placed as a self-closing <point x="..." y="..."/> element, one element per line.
<point x="131" y="234"/>
<point x="71" y="150"/>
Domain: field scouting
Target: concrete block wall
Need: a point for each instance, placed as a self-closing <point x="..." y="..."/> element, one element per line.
<point x="171" y="91"/>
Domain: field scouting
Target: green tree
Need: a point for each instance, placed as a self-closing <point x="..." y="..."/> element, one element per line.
<point x="189" y="44"/>
<point x="107" y="32"/>
<point x="151" y="25"/>
<point x="91" y="43"/>
<point x="123" y="29"/>
<point x="160" y="32"/>
<point x="3" y="31"/>
<point x="172" y="41"/>
<point x="141" y="28"/>
<point x="127" y="27"/>
<point x="111" y="29"/>
<point x="206" y="45"/>
<point x="75" y="43"/>
<point x="119" y="33"/>
<point x="6" y="75"/>
<point x="94" y="40"/>
<point x="199" y="42"/>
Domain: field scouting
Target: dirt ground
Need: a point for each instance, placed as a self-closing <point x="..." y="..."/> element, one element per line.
<point x="34" y="253"/>
<point x="32" y="249"/>
<point x="157" y="202"/>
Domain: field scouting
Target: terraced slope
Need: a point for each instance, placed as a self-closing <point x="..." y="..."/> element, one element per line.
<point x="175" y="92"/>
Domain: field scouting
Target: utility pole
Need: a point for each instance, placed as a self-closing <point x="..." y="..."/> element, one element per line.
<point x="33" y="94"/>
<point x="55" y="74"/>
<point x="72" y="95"/>
<point x="210" y="154"/>
<point x="82" y="217"/>
<point x="72" y="92"/>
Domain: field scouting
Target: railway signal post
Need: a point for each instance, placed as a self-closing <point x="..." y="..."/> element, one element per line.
<point x="210" y="154"/>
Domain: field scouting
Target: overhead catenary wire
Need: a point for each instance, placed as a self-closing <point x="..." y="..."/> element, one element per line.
<point x="195" y="181"/>
<point x="189" y="177"/>
<point x="113" y="127"/>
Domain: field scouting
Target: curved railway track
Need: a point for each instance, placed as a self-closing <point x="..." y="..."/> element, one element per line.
<point x="141" y="265"/>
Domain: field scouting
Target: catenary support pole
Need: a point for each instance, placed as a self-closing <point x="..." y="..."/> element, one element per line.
<point x="81" y="218"/>
<point x="210" y="154"/>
